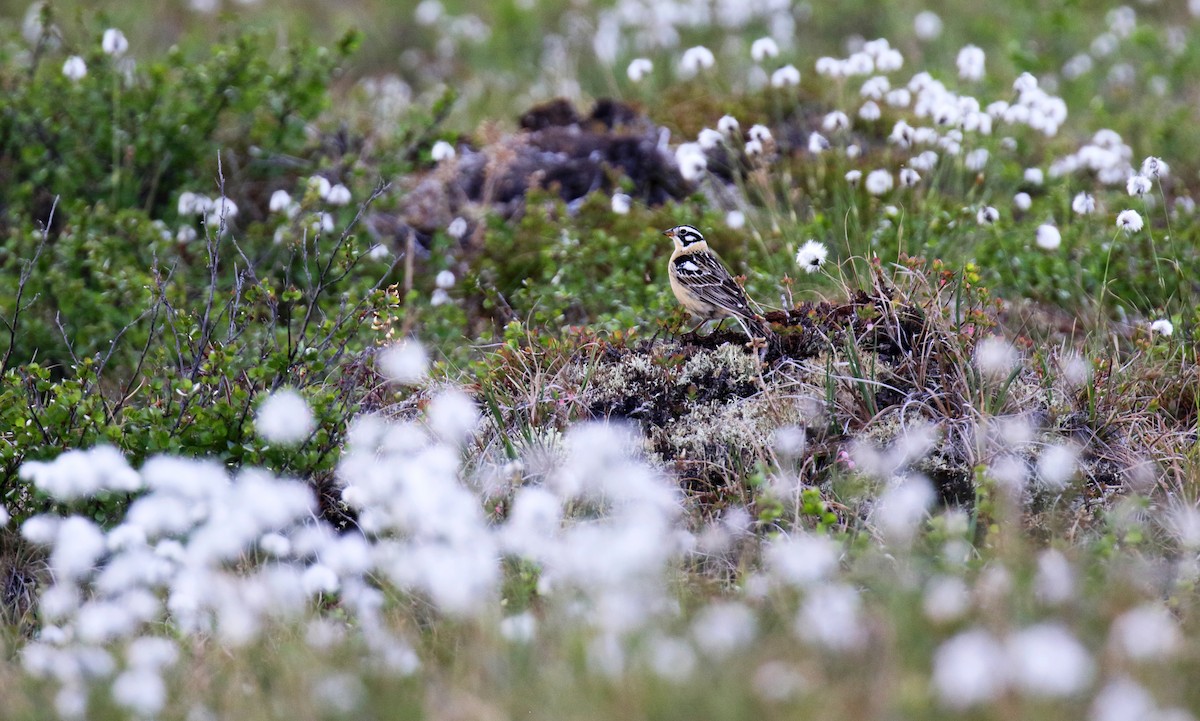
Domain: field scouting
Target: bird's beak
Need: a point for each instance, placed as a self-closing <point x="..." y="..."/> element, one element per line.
<point x="670" y="233"/>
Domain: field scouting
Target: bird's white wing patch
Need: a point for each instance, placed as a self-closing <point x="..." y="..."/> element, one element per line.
<point x="689" y="266"/>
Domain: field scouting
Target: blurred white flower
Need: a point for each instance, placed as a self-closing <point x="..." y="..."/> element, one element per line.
<point x="761" y="133"/>
<point x="817" y="143"/>
<point x="976" y="160"/>
<point x="1130" y="221"/>
<point x="692" y="161"/>
<point x="695" y="59"/>
<point x="902" y="508"/>
<point x="879" y="182"/>
<point x="971" y="63"/>
<point x="723" y="627"/>
<point x="802" y="560"/>
<point x="987" y="215"/>
<point x="763" y="48"/>
<point x="1138" y="185"/>
<point x="735" y="219"/>
<point x="621" y="203"/>
<point x="835" y="121"/>
<point x="321" y="185"/>
<point x="969" y="669"/>
<point x="709" y="138"/>
<point x="1146" y="633"/>
<point x="753" y="148"/>
<point x="853" y="177"/>
<point x="811" y="256"/>
<point x="141" y="691"/>
<point x="1025" y="82"/>
<point x="870" y="111"/>
<point x="441" y="151"/>
<point x="909" y="177"/>
<point x="1034" y="176"/>
<point x="114" y="43"/>
<point x="1048" y="237"/>
<point x="81" y="473"/>
<point x="284" y="417"/>
<point x="1046" y="660"/>
<point x="281" y="200"/>
<point x="927" y="25"/>
<point x="1083" y="204"/>
<point x="457" y="228"/>
<point x="404" y="362"/>
<point x="444" y="280"/>
<point x="74" y="68"/>
<point x="1162" y="326"/>
<point x="1054" y="582"/>
<point x="338" y="195"/>
<point x="1122" y="700"/>
<point x="453" y="416"/>
<point x="728" y="124"/>
<point x="889" y="61"/>
<point x="1155" y="168"/>
<point x="1056" y="466"/>
<point x="1022" y="201"/>
<point x="996" y="357"/>
<point x="831" y="616"/>
<point x="787" y="76"/>
<point x="638" y="69"/>
<point x="946" y="599"/>
<point x="519" y="628"/>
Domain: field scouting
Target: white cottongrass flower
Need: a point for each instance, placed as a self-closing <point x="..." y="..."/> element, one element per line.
<point x="811" y="256"/>
<point x="621" y="203"/>
<point x="802" y="560"/>
<point x="728" y="125"/>
<point x="889" y="61"/>
<point x="1046" y="660"/>
<point x="1163" y="327"/>
<point x="82" y="473"/>
<point x="1025" y="82"/>
<point x="853" y="177"/>
<point x="976" y="160"/>
<point x="927" y="25"/>
<point x="1056" y="466"/>
<point x="1138" y="185"/>
<point x="404" y="362"/>
<point x="909" y="177"/>
<point x="835" y="121"/>
<point x="1130" y="221"/>
<point x="724" y="627"/>
<point x="787" y="76"/>
<point x="987" y="215"/>
<point x="1022" y="201"/>
<point x="870" y="111"/>
<point x="519" y="628"/>
<point x="902" y="508"/>
<point x="1048" y="237"/>
<point x="321" y="185"/>
<point x="753" y="148"/>
<point x="761" y="133"/>
<point x="638" y="69"/>
<point x="695" y="59"/>
<point x="946" y="599"/>
<point x="457" y="228"/>
<point x="879" y="182"/>
<point x="996" y="357"/>
<point x="1146" y="633"/>
<point x="709" y="138"/>
<point x="1054" y="582"/>
<point x="1121" y="700"/>
<point x="114" y="43"/>
<point x="817" y="143"/>
<point x="338" y="195"/>
<point x="281" y="200"/>
<point x="441" y="151"/>
<point x="692" y="161"/>
<point x="969" y="669"/>
<point x="284" y="417"/>
<point x="970" y="63"/>
<point x="453" y="416"/>
<point x="763" y="48"/>
<point x="1155" y="168"/>
<point x="831" y="616"/>
<point x="1083" y="203"/>
<point x="142" y="691"/>
<point x="444" y="280"/>
<point x="74" y="68"/>
<point x="1034" y="176"/>
<point x="735" y="219"/>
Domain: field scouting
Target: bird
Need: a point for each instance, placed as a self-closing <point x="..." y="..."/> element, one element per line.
<point x="705" y="287"/>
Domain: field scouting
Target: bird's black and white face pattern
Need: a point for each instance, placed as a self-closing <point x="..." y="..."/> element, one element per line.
<point x="684" y="235"/>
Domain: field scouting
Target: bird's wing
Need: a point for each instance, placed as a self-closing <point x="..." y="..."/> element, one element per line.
<point x="708" y="279"/>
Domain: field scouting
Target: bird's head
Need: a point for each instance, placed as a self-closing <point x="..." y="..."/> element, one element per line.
<point x="684" y="236"/>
